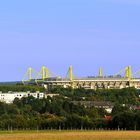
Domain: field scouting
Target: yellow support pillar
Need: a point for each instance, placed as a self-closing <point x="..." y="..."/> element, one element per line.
<point x="128" y="73"/>
<point x="29" y="74"/>
<point x="43" y="72"/>
<point x="100" y="72"/>
<point x="47" y="72"/>
<point x="71" y="73"/>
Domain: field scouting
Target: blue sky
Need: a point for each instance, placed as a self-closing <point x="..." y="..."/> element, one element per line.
<point x="85" y="33"/>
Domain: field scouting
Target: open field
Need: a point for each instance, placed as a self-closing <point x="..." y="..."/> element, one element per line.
<point x="70" y="135"/>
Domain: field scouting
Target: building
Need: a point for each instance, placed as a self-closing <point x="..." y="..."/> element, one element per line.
<point x="108" y="117"/>
<point x="10" y="96"/>
<point x="107" y="105"/>
<point x="123" y="79"/>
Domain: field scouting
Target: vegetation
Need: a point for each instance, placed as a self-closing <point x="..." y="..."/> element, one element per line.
<point x="59" y="112"/>
<point x="21" y="88"/>
<point x="121" y="96"/>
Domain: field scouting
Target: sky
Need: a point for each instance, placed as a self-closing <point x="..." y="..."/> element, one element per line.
<point x="87" y="34"/>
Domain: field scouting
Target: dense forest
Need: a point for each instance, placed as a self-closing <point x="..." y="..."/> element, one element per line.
<point x="122" y="96"/>
<point x="58" y="112"/>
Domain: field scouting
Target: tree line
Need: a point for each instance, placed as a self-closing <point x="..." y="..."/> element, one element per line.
<point x="122" y="96"/>
<point x="59" y="112"/>
<point x="21" y="88"/>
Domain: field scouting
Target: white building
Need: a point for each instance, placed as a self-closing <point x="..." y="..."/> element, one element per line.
<point x="10" y="96"/>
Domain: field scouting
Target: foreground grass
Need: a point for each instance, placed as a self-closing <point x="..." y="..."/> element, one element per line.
<point x="70" y="135"/>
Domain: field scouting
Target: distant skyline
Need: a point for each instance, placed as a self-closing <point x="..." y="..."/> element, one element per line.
<point x="87" y="34"/>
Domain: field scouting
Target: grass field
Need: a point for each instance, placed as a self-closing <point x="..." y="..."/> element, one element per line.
<point x="70" y="135"/>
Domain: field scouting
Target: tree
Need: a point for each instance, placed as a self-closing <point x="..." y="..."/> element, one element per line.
<point x="125" y="120"/>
